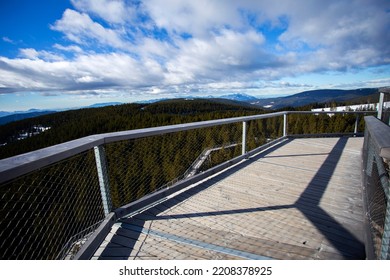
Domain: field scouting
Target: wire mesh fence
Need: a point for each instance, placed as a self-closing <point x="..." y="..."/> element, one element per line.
<point x="386" y="108"/>
<point x="42" y="211"/>
<point x="140" y="166"/>
<point x="315" y="124"/>
<point x="377" y="193"/>
<point x="261" y="131"/>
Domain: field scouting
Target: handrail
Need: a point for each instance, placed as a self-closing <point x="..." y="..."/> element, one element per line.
<point x="380" y="133"/>
<point x="19" y="165"/>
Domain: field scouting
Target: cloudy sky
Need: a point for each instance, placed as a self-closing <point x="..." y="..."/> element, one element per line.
<point x="72" y="53"/>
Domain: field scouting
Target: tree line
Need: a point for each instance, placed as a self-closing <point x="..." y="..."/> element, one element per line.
<point x="73" y="124"/>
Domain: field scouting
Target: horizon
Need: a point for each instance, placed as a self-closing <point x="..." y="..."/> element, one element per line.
<point x="75" y="53"/>
<point x="138" y="101"/>
<point x="110" y="103"/>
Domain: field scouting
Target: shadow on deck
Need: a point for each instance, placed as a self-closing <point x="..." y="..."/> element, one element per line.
<point x="298" y="200"/>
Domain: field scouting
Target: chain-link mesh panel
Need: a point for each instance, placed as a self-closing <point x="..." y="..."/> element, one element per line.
<point x="141" y="166"/>
<point x="376" y="209"/>
<point x="262" y="131"/>
<point x="43" y="213"/>
<point x="324" y="123"/>
<point x="386" y="108"/>
<point x="376" y="183"/>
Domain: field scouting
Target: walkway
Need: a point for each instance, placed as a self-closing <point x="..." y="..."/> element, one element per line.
<point x="299" y="200"/>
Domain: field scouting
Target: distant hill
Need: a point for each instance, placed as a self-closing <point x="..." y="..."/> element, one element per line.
<point x="21" y="116"/>
<point x="295" y="100"/>
<point x="240" y="97"/>
<point x="7" y="117"/>
<point x="314" y="96"/>
<point x="99" y="105"/>
<point x="372" y="98"/>
<point x="8" y="113"/>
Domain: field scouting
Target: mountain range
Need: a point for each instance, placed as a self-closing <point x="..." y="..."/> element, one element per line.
<point x="295" y="100"/>
<point x="7" y="117"/>
<point x="314" y="96"/>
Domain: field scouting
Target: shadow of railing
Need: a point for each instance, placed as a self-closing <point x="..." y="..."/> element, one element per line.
<point x="309" y="204"/>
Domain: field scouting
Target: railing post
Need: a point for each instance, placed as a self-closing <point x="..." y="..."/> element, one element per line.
<point x="285" y="124"/>
<point x="101" y="165"/>
<point x="243" y="138"/>
<point x="380" y="105"/>
<point x="356" y="124"/>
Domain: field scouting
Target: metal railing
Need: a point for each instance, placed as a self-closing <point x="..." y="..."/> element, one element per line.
<point x="376" y="157"/>
<point x="384" y="105"/>
<point x="56" y="199"/>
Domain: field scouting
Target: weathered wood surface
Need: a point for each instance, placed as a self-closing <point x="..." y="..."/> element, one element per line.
<point x="301" y="200"/>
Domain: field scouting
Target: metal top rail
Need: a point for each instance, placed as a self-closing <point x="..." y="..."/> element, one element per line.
<point x="380" y="133"/>
<point x="19" y="165"/>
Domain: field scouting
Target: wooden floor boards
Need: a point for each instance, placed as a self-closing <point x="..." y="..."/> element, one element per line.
<point x="302" y="200"/>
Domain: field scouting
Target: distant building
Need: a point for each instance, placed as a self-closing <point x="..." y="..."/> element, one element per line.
<point x="359" y="107"/>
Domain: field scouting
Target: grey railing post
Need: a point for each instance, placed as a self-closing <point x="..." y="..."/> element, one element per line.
<point x="356" y="124"/>
<point x="380" y="105"/>
<point x="285" y="124"/>
<point x="101" y="166"/>
<point x="243" y="138"/>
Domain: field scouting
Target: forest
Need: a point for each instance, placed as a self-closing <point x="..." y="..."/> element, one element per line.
<point x="73" y="124"/>
<point x="61" y="200"/>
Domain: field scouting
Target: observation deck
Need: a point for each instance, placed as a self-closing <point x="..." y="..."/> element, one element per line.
<point x="220" y="189"/>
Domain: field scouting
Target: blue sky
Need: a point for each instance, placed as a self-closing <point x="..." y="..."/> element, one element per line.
<point x="56" y="54"/>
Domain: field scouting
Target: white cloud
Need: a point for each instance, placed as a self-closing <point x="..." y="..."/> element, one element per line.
<point x="71" y="48"/>
<point x="112" y="11"/>
<point x="34" y="54"/>
<point x="87" y="79"/>
<point x="226" y="55"/>
<point x="93" y="71"/>
<point x="81" y="29"/>
<point x="29" y="53"/>
<point x="345" y="33"/>
<point x="172" y="46"/>
<point x="8" y="40"/>
<point x="197" y="18"/>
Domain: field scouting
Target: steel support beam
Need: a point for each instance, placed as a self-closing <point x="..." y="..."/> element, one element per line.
<point x="244" y="128"/>
<point x="285" y="124"/>
<point x="380" y="105"/>
<point x="355" y="131"/>
<point x="101" y="165"/>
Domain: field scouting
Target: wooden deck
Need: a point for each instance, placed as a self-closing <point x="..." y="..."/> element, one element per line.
<point x="300" y="200"/>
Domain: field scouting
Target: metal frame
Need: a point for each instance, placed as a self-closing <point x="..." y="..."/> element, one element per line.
<point x="14" y="167"/>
